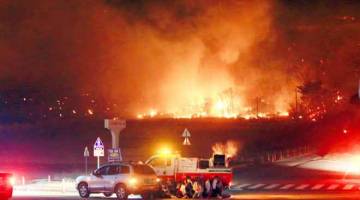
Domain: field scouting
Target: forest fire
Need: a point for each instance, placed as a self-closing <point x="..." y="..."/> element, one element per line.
<point x="183" y="59"/>
<point x="218" y="108"/>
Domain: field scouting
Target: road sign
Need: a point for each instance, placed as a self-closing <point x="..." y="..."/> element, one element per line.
<point x="186" y="141"/>
<point x="186" y="133"/>
<point x="86" y="152"/>
<point x="114" y="155"/>
<point x="98" y="148"/>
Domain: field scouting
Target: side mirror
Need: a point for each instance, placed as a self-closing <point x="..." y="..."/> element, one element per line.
<point x="96" y="173"/>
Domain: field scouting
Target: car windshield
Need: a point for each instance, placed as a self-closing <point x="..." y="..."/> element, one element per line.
<point x="143" y="169"/>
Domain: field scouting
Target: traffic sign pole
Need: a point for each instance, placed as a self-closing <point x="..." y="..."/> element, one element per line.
<point x="98" y="162"/>
<point x="86" y="166"/>
<point x="98" y="150"/>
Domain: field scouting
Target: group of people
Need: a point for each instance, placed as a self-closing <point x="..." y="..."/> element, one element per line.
<point x="200" y="188"/>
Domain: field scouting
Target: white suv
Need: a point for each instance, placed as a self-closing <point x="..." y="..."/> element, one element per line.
<point x="119" y="178"/>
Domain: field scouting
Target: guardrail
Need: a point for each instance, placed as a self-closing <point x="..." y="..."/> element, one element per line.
<point x="273" y="156"/>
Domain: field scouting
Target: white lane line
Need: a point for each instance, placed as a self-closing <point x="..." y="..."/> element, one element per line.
<point x="286" y="187"/>
<point x="317" y="186"/>
<point x="241" y="186"/>
<point x="256" y="186"/>
<point x="348" y="186"/>
<point x="272" y="186"/>
<point x="302" y="187"/>
<point x="333" y="187"/>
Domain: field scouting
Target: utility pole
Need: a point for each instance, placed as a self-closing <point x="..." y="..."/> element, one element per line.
<point x="296" y="103"/>
<point x="257" y="107"/>
<point x="359" y="89"/>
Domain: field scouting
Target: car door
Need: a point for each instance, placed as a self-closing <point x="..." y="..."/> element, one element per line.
<point x="124" y="174"/>
<point x="98" y="181"/>
<point x="163" y="166"/>
<point x="110" y="177"/>
<point x="116" y="174"/>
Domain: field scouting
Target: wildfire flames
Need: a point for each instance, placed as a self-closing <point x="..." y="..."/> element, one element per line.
<point x="212" y="70"/>
<point x="229" y="148"/>
<point x="184" y="59"/>
<point x="218" y="110"/>
<point x="224" y="105"/>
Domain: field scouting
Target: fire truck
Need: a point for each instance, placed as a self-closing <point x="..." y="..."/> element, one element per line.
<point x="172" y="169"/>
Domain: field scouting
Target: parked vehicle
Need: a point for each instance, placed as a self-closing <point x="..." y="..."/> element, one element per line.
<point x="174" y="171"/>
<point x="119" y="178"/>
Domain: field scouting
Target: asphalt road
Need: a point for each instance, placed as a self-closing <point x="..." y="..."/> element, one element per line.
<point x="289" y="180"/>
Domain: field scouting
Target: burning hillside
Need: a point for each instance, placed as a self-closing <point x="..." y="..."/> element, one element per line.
<point x="182" y="58"/>
<point x="211" y="69"/>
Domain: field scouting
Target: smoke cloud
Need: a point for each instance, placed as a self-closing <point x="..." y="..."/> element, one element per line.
<point x="174" y="56"/>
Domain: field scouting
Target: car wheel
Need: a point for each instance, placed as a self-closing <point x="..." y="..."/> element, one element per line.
<point x="148" y="195"/>
<point x="83" y="190"/>
<point x="107" y="194"/>
<point x="120" y="192"/>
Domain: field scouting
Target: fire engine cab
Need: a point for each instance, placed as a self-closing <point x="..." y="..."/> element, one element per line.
<point x="172" y="168"/>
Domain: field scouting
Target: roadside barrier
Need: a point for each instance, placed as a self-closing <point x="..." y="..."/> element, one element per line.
<point x="273" y="156"/>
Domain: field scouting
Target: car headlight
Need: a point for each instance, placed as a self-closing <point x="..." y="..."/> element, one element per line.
<point x="133" y="181"/>
<point x="11" y="180"/>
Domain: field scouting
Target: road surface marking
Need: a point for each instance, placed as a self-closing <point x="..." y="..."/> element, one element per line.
<point x="256" y="186"/>
<point x="333" y="186"/>
<point x="286" y="187"/>
<point x="272" y="186"/>
<point x="240" y="187"/>
<point x="317" y="187"/>
<point x="348" y="187"/>
<point x="302" y="187"/>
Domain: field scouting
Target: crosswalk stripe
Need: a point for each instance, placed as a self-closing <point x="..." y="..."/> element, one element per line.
<point x="256" y="186"/>
<point x="272" y="186"/>
<point x="317" y="187"/>
<point x="333" y="187"/>
<point x="241" y="186"/>
<point x="348" y="187"/>
<point x="286" y="187"/>
<point x="302" y="187"/>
